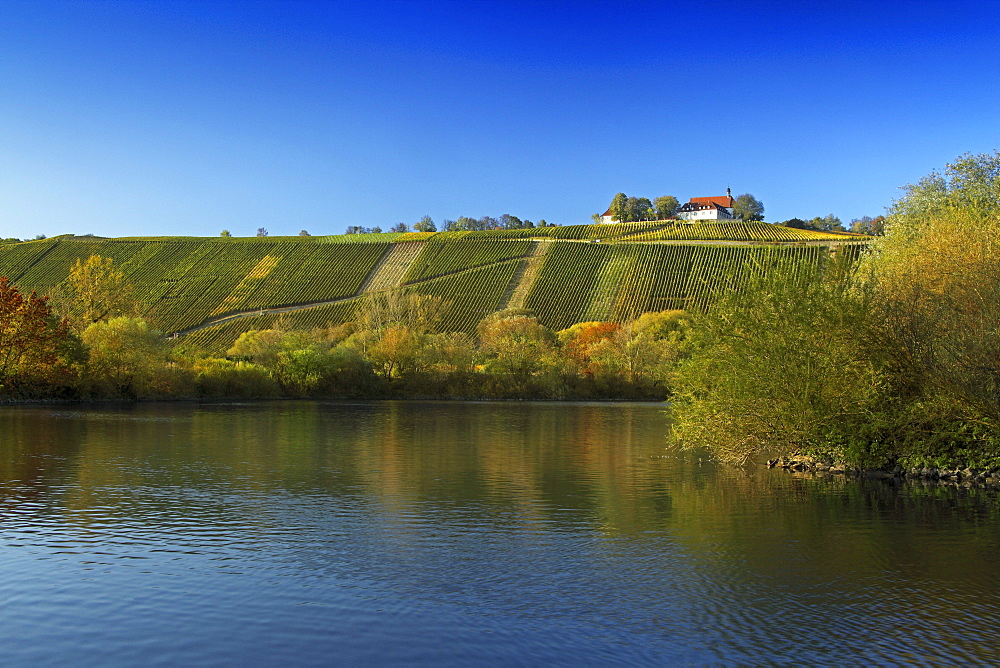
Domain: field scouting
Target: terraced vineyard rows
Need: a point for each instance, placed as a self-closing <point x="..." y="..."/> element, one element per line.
<point x="604" y="230"/>
<point x="573" y="232"/>
<point x="472" y="294"/>
<point x="183" y="282"/>
<point x="620" y="282"/>
<point x="738" y="231"/>
<point x="180" y="283"/>
<point x="18" y="258"/>
<point x="525" y="233"/>
<point x="221" y="337"/>
<point x="565" y="283"/>
<point x="439" y="258"/>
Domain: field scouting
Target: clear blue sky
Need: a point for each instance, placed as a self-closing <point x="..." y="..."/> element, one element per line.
<point x="153" y="118"/>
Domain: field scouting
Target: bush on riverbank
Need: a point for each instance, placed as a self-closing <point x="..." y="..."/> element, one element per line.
<point x="392" y="351"/>
<point x="894" y="361"/>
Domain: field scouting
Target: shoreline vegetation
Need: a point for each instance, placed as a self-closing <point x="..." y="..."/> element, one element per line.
<point x="887" y="362"/>
<point x="890" y="363"/>
<point x="89" y="345"/>
<point x="827" y="467"/>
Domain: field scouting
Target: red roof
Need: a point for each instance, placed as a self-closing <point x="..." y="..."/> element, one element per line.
<point x="721" y="200"/>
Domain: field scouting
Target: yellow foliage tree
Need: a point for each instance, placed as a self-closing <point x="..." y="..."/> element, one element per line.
<point x="94" y="290"/>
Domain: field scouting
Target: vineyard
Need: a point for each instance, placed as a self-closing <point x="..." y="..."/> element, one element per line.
<point x="181" y="283"/>
<point x="219" y="288"/>
<point x="737" y="231"/>
<point x="439" y="258"/>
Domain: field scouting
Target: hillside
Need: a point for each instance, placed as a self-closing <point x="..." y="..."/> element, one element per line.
<point x="212" y="289"/>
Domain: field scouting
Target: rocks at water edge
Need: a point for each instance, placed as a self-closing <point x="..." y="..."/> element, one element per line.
<point x="966" y="477"/>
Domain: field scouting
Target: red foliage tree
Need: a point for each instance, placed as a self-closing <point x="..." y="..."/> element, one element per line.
<point x="30" y="340"/>
<point x="585" y="336"/>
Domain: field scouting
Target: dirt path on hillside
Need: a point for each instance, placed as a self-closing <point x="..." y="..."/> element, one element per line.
<point x="524" y="277"/>
<point x="392" y="267"/>
<point x="386" y="275"/>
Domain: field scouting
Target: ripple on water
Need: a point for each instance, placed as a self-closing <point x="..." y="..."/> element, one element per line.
<point x="559" y="536"/>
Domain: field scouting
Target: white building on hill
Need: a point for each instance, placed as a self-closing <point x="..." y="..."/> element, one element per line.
<point x="708" y="208"/>
<point x="698" y="208"/>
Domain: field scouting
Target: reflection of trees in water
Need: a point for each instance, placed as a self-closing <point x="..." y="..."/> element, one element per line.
<point x="507" y="466"/>
<point x="37" y="448"/>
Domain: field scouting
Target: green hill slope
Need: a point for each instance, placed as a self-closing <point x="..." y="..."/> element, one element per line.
<point x="212" y="289"/>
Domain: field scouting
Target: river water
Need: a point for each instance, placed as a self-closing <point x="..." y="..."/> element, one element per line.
<point x="464" y="533"/>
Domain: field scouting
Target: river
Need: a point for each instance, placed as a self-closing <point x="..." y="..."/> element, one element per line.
<point x="305" y="533"/>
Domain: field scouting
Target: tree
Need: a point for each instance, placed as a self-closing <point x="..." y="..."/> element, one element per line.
<point x="515" y="345"/>
<point x="382" y="310"/>
<point x="395" y="351"/>
<point x="260" y="346"/>
<point x="796" y="223"/>
<point x="639" y="208"/>
<point x="125" y="356"/>
<point x="261" y="231"/>
<point x="399" y="227"/>
<point x="876" y="227"/>
<point x="30" y="342"/>
<point x="303" y="233"/>
<point x="94" y="290"/>
<point x="225" y="233"/>
<point x="666" y="207"/>
<point x="619" y="209"/>
<point x="971" y="184"/>
<point x="827" y="223"/>
<point x="426" y="224"/>
<point x="748" y="207"/>
<point x="597" y="218"/>
<point x="578" y="340"/>
<point x="509" y="222"/>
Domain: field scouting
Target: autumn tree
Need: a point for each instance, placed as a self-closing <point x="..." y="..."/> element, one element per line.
<point x="395" y="351"/>
<point x="516" y="345"/>
<point x="578" y="339"/>
<point x="125" y="356"/>
<point x="867" y="225"/>
<point x="94" y="290"/>
<point x="382" y="310"/>
<point x="30" y="341"/>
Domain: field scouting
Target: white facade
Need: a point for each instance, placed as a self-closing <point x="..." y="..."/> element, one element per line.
<point x="691" y="211"/>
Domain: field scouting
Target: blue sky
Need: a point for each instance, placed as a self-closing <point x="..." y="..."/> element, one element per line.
<point x="155" y="118"/>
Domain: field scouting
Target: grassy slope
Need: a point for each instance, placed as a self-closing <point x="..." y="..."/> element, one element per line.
<point x="183" y="282"/>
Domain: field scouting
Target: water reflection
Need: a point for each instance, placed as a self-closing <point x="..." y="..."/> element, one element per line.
<point x="466" y="532"/>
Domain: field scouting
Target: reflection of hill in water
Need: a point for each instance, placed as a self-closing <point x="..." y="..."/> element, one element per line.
<point x="605" y="465"/>
<point x="531" y="511"/>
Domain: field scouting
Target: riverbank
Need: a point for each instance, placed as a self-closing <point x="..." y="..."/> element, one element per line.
<point x="828" y="467"/>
